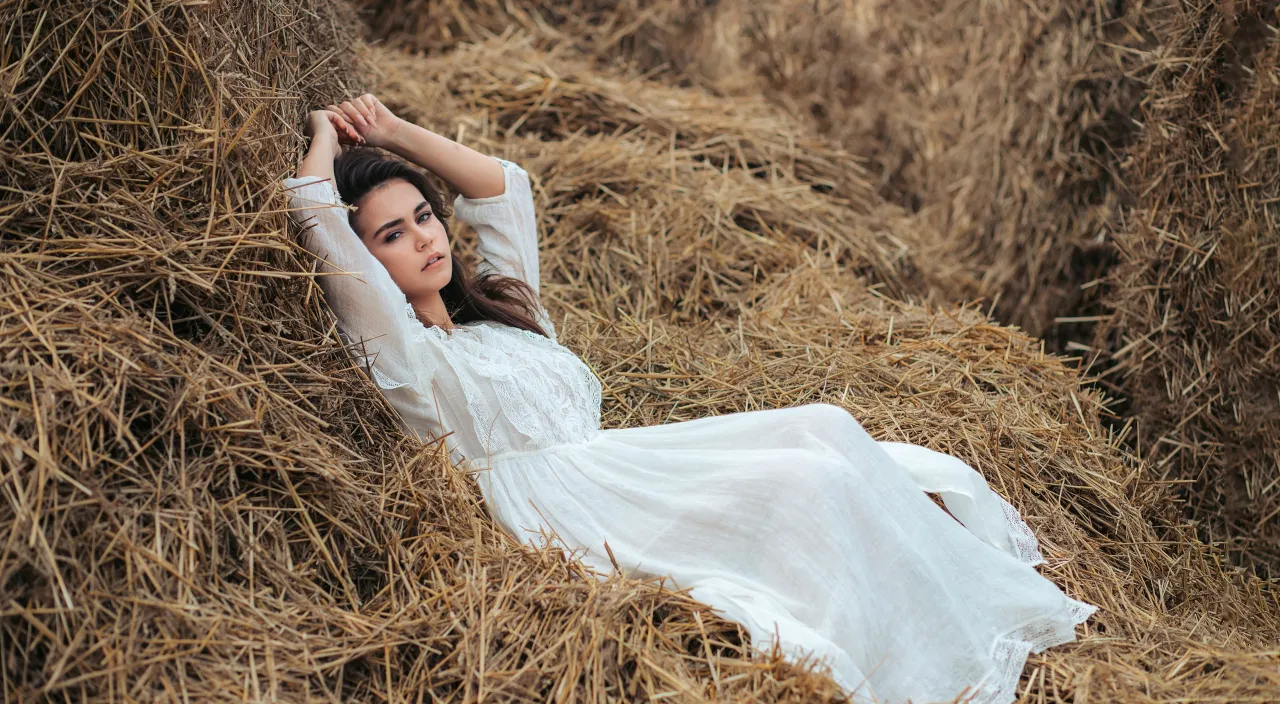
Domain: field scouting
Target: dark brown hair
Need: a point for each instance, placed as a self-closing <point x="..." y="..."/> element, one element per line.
<point x="489" y="296"/>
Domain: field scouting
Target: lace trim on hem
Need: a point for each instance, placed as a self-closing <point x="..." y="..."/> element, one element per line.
<point x="1010" y="652"/>
<point x="385" y="382"/>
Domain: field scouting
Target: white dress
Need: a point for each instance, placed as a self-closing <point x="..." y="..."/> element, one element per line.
<point x="791" y="521"/>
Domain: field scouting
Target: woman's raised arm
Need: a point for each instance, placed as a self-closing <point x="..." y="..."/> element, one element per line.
<point x="506" y="226"/>
<point x="467" y="171"/>
<point x="372" y="311"/>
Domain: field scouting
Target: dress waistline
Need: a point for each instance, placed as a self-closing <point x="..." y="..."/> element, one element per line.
<point x="482" y="463"/>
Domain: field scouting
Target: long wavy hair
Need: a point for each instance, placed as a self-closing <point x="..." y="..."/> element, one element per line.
<point x="468" y="298"/>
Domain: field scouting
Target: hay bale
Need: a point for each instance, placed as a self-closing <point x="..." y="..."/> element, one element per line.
<point x="1195" y="330"/>
<point x="997" y="123"/>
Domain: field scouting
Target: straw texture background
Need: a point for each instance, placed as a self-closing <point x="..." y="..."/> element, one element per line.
<point x="203" y="499"/>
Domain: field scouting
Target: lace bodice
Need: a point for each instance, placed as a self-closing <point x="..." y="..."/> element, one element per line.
<point x="486" y="387"/>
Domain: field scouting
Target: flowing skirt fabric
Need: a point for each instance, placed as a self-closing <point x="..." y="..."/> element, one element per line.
<point x="798" y="525"/>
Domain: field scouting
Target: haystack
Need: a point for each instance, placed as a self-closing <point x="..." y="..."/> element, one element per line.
<point x="1195" y="296"/>
<point x="204" y="499"/>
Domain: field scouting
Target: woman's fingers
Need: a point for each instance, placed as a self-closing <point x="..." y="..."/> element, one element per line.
<point x="343" y="124"/>
<point x="354" y="115"/>
<point x="343" y="127"/>
<point x="368" y="106"/>
<point x="377" y="107"/>
<point x="366" y="110"/>
<point x="360" y="117"/>
<point x="338" y="123"/>
<point x="342" y="112"/>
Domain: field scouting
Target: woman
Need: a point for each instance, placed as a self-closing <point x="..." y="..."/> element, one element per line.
<point x="791" y="521"/>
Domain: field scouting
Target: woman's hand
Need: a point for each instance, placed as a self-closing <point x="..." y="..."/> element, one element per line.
<point x="328" y="132"/>
<point x="373" y="122"/>
<point x="330" y="129"/>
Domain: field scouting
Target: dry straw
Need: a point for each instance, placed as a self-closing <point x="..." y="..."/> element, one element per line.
<point x="1195" y="298"/>
<point x="202" y="499"/>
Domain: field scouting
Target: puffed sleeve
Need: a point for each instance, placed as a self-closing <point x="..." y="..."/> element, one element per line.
<point x="373" y="314"/>
<point x="506" y="228"/>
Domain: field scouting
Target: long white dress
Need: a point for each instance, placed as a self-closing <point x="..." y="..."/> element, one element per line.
<point x="791" y="521"/>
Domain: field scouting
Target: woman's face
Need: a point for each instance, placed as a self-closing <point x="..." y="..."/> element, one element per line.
<point x="396" y="223"/>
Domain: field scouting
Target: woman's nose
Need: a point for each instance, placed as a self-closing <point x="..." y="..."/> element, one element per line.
<point x="423" y="238"/>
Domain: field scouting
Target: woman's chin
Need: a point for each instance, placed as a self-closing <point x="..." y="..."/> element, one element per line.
<point x="434" y="280"/>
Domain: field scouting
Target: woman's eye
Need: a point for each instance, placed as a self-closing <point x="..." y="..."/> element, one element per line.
<point x="392" y="237"/>
<point x="424" y="217"/>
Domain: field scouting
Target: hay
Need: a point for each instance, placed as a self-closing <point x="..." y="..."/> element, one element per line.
<point x="1195" y="325"/>
<point x="998" y="124"/>
<point x="202" y="497"/>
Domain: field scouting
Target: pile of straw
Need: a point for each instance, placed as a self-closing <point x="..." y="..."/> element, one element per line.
<point x="204" y="499"/>
<point x="1195" y="296"/>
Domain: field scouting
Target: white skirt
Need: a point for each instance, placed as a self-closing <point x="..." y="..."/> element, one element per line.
<point x="798" y="525"/>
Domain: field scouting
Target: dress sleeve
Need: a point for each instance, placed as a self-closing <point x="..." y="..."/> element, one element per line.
<point x="506" y="228"/>
<point x="373" y="314"/>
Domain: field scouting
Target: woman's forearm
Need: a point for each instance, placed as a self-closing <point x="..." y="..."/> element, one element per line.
<point x="469" y="172"/>
<point x="319" y="160"/>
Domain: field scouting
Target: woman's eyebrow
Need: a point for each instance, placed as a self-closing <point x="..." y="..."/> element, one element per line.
<point x="389" y="224"/>
<point x="397" y="222"/>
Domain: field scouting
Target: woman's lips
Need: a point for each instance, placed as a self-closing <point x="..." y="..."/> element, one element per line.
<point x="434" y="264"/>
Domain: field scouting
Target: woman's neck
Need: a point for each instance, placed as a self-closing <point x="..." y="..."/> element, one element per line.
<point x="432" y="306"/>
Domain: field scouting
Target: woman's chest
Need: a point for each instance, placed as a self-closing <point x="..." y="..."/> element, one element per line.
<point x="540" y="385"/>
<point x="532" y="361"/>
